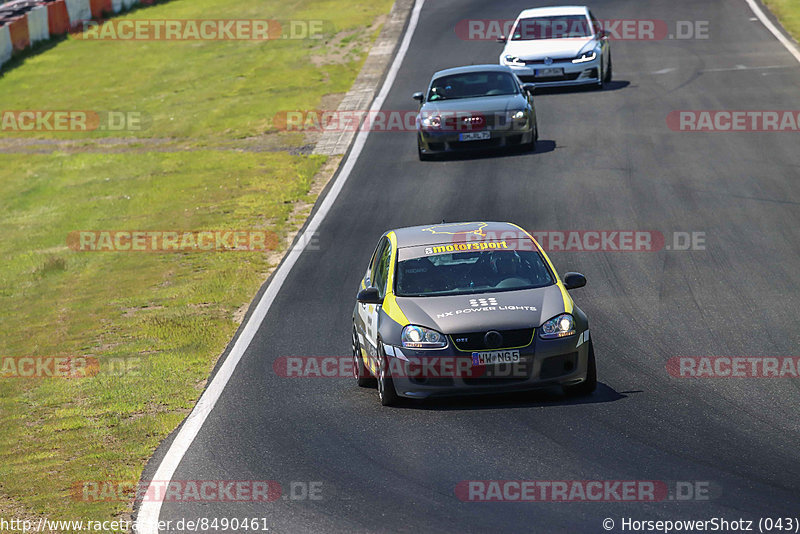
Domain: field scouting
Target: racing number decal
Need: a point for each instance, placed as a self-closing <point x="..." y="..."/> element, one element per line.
<point x="371" y="324"/>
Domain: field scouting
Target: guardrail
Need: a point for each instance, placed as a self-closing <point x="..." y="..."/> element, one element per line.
<point x="23" y="23"/>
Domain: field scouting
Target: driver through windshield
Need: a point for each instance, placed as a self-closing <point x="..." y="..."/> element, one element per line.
<point x="463" y="273"/>
<point x="472" y="85"/>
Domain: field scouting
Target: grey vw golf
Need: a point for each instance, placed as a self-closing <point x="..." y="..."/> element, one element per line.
<point x="461" y="308"/>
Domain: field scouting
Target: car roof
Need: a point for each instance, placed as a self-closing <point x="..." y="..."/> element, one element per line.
<point x="432" y="234"/>
<point x="553" y="10"/>
<point x="473" y="68"/>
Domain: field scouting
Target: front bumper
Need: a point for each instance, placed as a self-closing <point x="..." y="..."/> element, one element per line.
<point x="574" y="73"/>
<point x="432" y="141"/>
<point x="544" y="363"/>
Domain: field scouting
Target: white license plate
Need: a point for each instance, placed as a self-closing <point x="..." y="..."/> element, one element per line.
<point x="495" y="357"/>
<point x="547" y="73"/>
<point x="474" y="136"/>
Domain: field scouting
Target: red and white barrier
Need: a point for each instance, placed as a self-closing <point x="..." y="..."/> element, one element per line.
<point x="79" y="11"/>
<point x="18" y="29"/>
<point x="38" y="29"/>
<point x="100" y="8"/>
<point x="5" y="44"/>
<point x="55" y="18"/>
<point x="122" y="5"/>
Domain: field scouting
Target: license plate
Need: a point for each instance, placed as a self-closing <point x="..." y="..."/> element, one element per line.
<point x="548" y="73"/>
<point x="495" y="357"/>
<point x="474" y="136"/>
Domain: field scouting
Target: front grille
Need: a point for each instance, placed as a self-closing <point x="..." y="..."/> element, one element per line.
<point x="439" y="381"/>
<point x="511" y="339"/>
<point x="464" y="123"/>
<point x="507" y="373"/>
<point x="565" y="78"/>
<point x="542" y="61"/>
<point x="484" y="143"/>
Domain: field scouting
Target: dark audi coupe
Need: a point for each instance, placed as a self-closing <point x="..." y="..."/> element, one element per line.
<point x="476" y="107"/>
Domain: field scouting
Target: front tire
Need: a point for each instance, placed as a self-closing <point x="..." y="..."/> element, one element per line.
<point x="386" y="392"/>
<point x="421" y="155"/>
<point x="362" y="375"/>
<point x="531" y="146"/>
<point x="609" y="70"/>
<point x="588" y="386"/>
<point x="601" y="76"/>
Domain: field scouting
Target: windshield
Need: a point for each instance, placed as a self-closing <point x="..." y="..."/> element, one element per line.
<point x="557" y="27"/>
<point x="463" y="273"/>
<point x="471" y="85"/>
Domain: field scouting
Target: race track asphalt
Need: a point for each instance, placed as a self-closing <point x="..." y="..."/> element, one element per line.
<point x="606" y="161"/>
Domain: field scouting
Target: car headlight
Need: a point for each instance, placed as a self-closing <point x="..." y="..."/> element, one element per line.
<point x="512" y="59"/>
<point x="587" y="56"/>
<point x="419" y="337"/>
<point x="517" y="115"/>
<point x="559" y="326"/>
<point x="431" y="121"/>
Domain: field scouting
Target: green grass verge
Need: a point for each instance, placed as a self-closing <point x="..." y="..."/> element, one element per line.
<point x="198" y="89"/>
<point x="169" y="315"/>
<point x="788" y="11"/>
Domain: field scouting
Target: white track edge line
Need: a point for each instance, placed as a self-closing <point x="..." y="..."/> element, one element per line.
<point x="789" y="45"/>
<point x="150" y="511"/>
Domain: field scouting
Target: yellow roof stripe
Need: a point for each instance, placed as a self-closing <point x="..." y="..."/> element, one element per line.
<point x="568" y="304"/>
<point x="390" y="305"/>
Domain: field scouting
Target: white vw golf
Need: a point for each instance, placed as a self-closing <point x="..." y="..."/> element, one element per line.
<point x="558" y="46"/>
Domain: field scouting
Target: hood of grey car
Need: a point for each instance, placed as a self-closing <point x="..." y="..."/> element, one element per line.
<point x="484" y="104"/>
<point x="504" y="310"/>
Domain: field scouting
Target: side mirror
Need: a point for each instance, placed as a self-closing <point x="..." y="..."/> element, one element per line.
<point x="601" y="34"/>
<point x="529" y="87"/>
<point x="501" y="39"/>
<point x="417" y="96"/>
<point x="574" y="280"/>
<point x="370" y="295"/>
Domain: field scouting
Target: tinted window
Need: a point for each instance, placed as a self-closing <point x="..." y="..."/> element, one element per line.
<point x="558" y="27"/>
<point x="472" y="272"/>
<point x="369" y="275"/>
<point x="473" y="84"/>
<point x="381" y="267"/>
